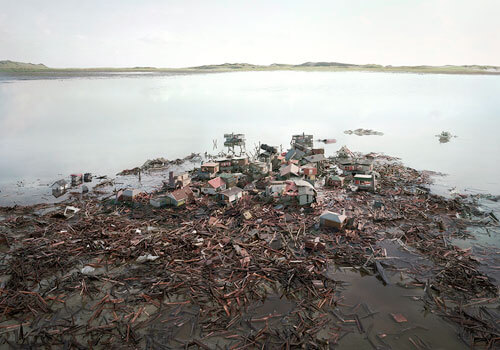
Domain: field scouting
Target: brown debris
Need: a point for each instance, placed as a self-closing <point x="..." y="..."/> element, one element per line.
<point x="214" y="266"/>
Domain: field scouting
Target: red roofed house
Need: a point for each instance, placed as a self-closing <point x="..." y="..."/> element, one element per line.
<point x="213" y="186"/>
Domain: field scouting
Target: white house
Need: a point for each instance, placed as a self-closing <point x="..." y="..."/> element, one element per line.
<point x="306" y="193"/>
<point x="231" y="195"/>
<point x="331" y="219"/>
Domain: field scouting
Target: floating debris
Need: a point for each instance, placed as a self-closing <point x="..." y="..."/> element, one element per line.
<point x="445" y="137"/>
<point x="363" y="132"/>
<point x="327" y="141"/>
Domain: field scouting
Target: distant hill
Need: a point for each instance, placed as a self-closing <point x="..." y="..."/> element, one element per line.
<point x="228" y="66"/>
<point x="20" y="68"/>
<point x="325" y="64"/>
<point x="12" y="65"/>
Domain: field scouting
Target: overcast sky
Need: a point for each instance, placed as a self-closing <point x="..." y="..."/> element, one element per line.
<point x="163" y="33"/>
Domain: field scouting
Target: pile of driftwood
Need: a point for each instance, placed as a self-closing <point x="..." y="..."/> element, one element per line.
<point x="243" y="276"/>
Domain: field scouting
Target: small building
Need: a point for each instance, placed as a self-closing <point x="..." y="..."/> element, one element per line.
<point x="345" y="152"/>
<point x="214" y="186"/>
<point x="239" y="162"/>
<point x="302" y="141"/>
<point x="224" y="164"/>
<point x="315" y="158"/>
<point x="365" y="182"/>
<point x="260" y="168"/>
<point x="59" y="188"/>
<point x="209" y="170"/>
<point x="229" y="179"/>
<point x="76" y="179"/>
<point x="294" y="154"/>
<point x="335" y="181"/>
<point x="306" y="193"/>
<point x="180" y="197"/>
<point x="318" y="151"/>
<point x="232" y="195"/>
<point x="231" y="164"/>
<point x="347" y="165"/>
<point x="130" y="194"/>
<point x="289" y="171"/>
<point x="159" y="202"/>
<point x="178" y="180"/>
<point x="250" y="187"/>
<point x="355" y="165"/>
<point x="241" y="179"/>
<point x="310" y="172"/>
<point x="329" y="219"/>
<point x="275" y="189"/>
<point x="295" y="190"/>
<point x="364" y="166"/>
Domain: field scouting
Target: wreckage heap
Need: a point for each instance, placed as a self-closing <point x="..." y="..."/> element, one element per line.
<point x="192" y="274"/>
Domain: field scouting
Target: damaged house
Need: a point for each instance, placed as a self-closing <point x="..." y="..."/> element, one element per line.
<point x="365" y="182"/>
<point x="260" y="168"/>
<point x="208" y="170"/>
<point x="178" y="180"/>
<point x="302" y="141"/>
<point x="355" y="165"/>
<point x="310" y="172"/>
<point x="330" y="219"/>
<point x="232" y="164"/>
<point x="59" y="188"/>
<point x="275" y="189"/>
<point x="294" y="154"/>
<point x="180" y="197"/>
<point x="345" y="152"/>
<point x="306" y="193"/>
<point x="288" y="171"/>
<point x="315" y="159"/>
<point x="232" y="195"/>
<point x="214" y="186"/>
<point x="335" y="181"/>
<point x="297" y="190"/>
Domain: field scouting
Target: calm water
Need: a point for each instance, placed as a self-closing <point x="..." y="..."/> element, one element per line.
<point x="105" y="124"/>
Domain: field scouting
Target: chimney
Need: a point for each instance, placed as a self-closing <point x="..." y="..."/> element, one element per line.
<point x="171" y="181"/>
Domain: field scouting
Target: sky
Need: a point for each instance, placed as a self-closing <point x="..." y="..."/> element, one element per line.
<point x="185" y="33"/>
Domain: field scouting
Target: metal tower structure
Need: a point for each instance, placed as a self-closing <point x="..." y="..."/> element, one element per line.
<point x="232" y="141"/>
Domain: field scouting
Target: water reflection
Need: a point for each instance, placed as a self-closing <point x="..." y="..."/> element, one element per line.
<point x="54" y="127"/>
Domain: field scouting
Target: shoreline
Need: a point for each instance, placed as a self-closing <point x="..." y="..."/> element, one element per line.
<point x="69" y="72"/>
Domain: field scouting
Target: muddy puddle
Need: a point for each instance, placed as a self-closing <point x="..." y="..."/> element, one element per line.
<point x="402" y="258"/>
<point x="484" y="245"/>
<point x="370" y="308"/>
